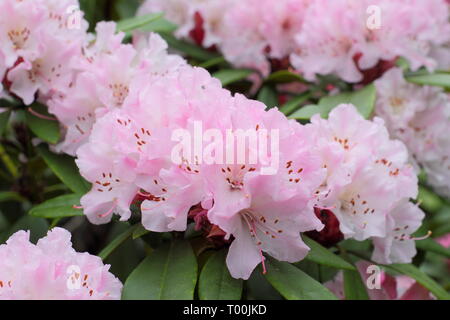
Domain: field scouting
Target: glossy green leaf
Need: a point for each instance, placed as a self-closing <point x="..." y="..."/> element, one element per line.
<point x="284" y="76"/>
<point x="268" y="96"/>
<point x="415" y="273"/>
<point x="432" y="246"/>
<point x="121" y="238"/>
<point x="354" y="287"/>
<point x="187" y="48"/>
<point x="323" y="256"/>
<point x="228" y="76"/>
<point x="11" y="196"/>
<point x="65" y="169"/>
<point x="130" y="24"/>
<point x="215" y="281"/>
<point x="293" y="104"/>
<point x="59" y="207"/>
<point x="38" y="228"/>
<point x="431" y="79"/>
<point x="4" y="117"/>
<point x="45" y="129"/>
<point x="294" y="284"/>
<point x="159" y="26"/>
<point x="363" y="100"/>
<point x="169" y="273"/>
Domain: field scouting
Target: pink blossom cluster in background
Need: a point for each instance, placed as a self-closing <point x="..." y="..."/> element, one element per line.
<point x="318" y="37"/>
<point x="37" y="40"/>
<point x="53" y="270"/>
<point x="420" y="117"/>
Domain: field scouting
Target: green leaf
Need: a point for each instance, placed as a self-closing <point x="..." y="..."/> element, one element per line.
<point x="139" y="232"/>
<point x="212" y="62"/>
<point x="431" y="79"/>
<point x="432" y="246"/>
<point x="169" y="273"/>
<point x="121" y="238"/>
<point x="130" y="24"/>
<point x="268" y="96"/>
<point x="293" y="104"/>
<point x="413" y="272"/>
<point x="11" y="196"/>
<point x="215" y="281"/>
<point x="4" y="117"/>
<point x="59" y="207"/>
<point x="65" y="169"/>
<point x="323" y="256"/>
<point x="354" y="287"/>
<point x="294" y="284"/>
<point x="363" y="100"/>
<point x="45" y="129"/>
<point x="305" y="113"/>
<point x="187" y="48"/>
<point x="228" y="76"/>
<point x="159" y="26"/>
<point x="126" y="8"/>
<point x="38" y="228"/>
<point x="284" y="76"/>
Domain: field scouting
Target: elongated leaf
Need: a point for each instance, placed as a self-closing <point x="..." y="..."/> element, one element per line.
<point x="130" y="24"/>
<point x="4" y="117"/>
<point x="294" y="284"/>
<point x="38" y="228"/>
<point x="284" y="76"/>
<point x="11" y="196"/>
<point x="65" y="169"/>
<point x="433" y="79"/>
<point x="354" y="287"/>
<point x="169" y="273"/>
<point x="59" y="207"/>
<point x="187" y="48"/>
<point x="293" y="104"/>
<point x="228" y="76"/>
<point x="121" y="238"/>
<point x="215" y="281"/>
<point x="363" y="100"/>
<point x="432" y="246"/>
<point x="159" y="26"/>
<point x="126" y="8"/>
<point x="45" y="129"/>
<point x="413" y="272"/>
<point x="321" y="255"/>
<point x="268" y="96"/>
<point x="139" y="232"/>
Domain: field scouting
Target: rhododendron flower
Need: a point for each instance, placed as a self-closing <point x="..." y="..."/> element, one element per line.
<point x="363" y="166"/>
<point x="398" y="246"/>
<point x="264" y="224"/>
<point x="38" y="41"/>
<point x="420" y="117"/>
<point x="391" y="288"/>
<point x="52" y="269"/>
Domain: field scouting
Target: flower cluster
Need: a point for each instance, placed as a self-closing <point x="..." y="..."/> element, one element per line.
<point x="318" y="37"/>
<point x="363" y="166"/>
<point x="419" y="116"/>
<point x="52" y="269"/>
<point x="166" y="147"/>
<point x="37" y="39"/>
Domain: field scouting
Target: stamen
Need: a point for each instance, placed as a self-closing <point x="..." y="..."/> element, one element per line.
<point x="37" y="114"/>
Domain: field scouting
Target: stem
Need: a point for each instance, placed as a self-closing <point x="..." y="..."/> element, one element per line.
<point x="9" y="164"/>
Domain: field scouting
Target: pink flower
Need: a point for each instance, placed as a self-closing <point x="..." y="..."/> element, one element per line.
<point x="391" y="288"/>
<point x="264" y="224"/>
<point x="420" y="117"/>
<point x="363" y="166"/>
<point x="398" y="246"/>
<point x="53" y="270"/>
